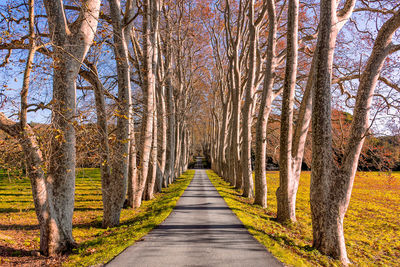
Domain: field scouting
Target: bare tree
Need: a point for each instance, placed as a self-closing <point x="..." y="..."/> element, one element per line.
<point x="54" y="195"/>
<point x="293" y="143"/>
<point x="286" y="133"/>
<point x="114" y="186"/>
<point x="71" y="42"/>
<point x="150" y="57"/>
<point x="265" y="108"/>
<point x="331" y="185"/>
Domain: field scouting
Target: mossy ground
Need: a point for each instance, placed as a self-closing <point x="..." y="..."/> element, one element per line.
<point x="19" y="236"/>
<point x="371" y="225"/>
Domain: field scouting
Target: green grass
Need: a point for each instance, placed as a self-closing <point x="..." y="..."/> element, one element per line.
<point x="372" y="223"/>
<point x="96" y="245"/>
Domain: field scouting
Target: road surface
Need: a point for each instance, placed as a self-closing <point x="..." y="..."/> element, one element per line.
<point x="200" y="231"/>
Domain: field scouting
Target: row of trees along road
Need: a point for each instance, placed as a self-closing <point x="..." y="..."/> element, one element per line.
<point x="136" y="87"/>
<point x="125" y="74"/>
<point x="275" y="60"/>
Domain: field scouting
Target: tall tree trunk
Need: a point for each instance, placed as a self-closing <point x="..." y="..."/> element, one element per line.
<point x="223" y="140"/>
<point x="247" y="114"/>
<point x="178" y="146"/>
<point x="287" y="185"/>
<point x="114" y="188"/>
<point x="322" y="159"/>
<point x="170" y="107"/>
<point x="327" y="217"/>
<point x="151" y="179"/>
<point x="51" y="240"/>
<point x="162" y="118"/>
<point x="54" y="195"/>
<point x="231" y="158"/>
<point x="330" y="205"/>
<point x="264" y="111"/>
<point x="70" y="48"/>
<point x="169" y="166"/>
<point x="236" y="139"/>
<point x="304" y="118"/>
<point x="61" y="175"/>
<point x="132" y="167"/>
<point x="150" y="31"/>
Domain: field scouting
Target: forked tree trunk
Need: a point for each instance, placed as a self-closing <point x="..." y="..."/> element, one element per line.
<point x="292" y="177"/>
<point x="70" y="48"/>
<point x="114" y="188"/>
<point x="331" y="186"/>
<point x="53" y="196"/>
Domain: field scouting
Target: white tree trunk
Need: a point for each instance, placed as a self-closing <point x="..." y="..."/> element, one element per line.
<point x="151" y="179"/>
<point x="264" y="111"/>
<point x="114" y="188"/>
<point x="327" y="207"/>
<point x="150" y="56"/>
<point x="70" y="48"/>
<point x="285" y="200"/>
<point x="247" y="114"/>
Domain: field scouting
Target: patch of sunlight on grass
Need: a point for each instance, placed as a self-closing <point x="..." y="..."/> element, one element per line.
<point x="371" y="225"/>
<point x="96" y="245"/>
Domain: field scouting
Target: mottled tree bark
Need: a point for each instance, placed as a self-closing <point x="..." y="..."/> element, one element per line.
<point x="162" y="118"/>
<point x="292" y="177"/>
<point x="327" y="185"/>
<point x="49" y="230"/>
<point x="285" y="198"/>
<point x="170" y="164"/>
<point x="247" y="114"/>
<point x="264" y="111"/>
<point x="150" y="30"/>
<point x="71" y="45"/>
<point x="51" y="240"/>
<point x="114" y="188"/>
<point x="132" y="167"/>
<point x="170" y="107"/>
<point x="93" y="78"/>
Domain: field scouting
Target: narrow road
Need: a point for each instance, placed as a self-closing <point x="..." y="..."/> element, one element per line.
<point x="200" y="231"/>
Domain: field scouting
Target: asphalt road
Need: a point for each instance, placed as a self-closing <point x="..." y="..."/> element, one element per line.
<point x="200" y="231"/>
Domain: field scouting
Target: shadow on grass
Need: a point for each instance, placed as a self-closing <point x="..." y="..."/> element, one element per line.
<point x="12" y="210"/>
<point x="19" y="227"/>
<point x="15" y="194"/>
<point x="138" y="225"/>
<point x="11" y="252"/>
<point x="87" y="209"/>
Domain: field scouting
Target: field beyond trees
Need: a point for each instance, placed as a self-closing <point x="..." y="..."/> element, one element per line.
<point x="371" y="225"/>
<point x="19" y="235"/>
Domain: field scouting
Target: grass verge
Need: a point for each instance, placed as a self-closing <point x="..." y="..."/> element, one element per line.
<point x="19" y="236"/>
<point x="372" y="222"/>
